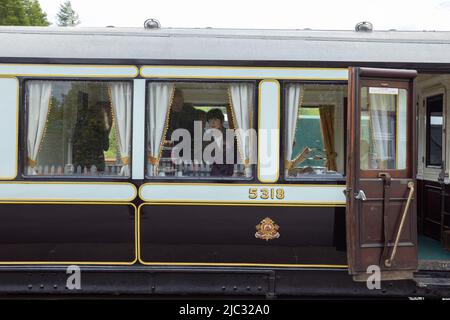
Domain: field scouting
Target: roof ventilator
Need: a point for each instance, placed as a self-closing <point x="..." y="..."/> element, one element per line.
<point x="364" y="26"/>
<point x="152" y="24"/>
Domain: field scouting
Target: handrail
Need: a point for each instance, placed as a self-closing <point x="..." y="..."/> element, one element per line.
<point x="388" y="262"/>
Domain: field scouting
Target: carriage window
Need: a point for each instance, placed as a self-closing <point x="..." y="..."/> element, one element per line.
<point x="383" y="128"/>
<point x="434" y="131"/>
<point x="314" y="131"/>
<point x="200" y="130"/>
<point x="78" y="128"/>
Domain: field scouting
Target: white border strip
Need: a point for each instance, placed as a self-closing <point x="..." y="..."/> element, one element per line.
<point x="67" y="191"/>
<point x="9" y="103"/>
<point x="244" y="73"/>
<point x="54" y="70"/>
<point x="221" y="193"/>
<point x="269" y="131"/>
<point x="138" y="130"/>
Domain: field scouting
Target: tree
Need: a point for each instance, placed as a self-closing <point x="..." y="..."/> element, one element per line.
<point x="67" y="17"/>
<point x="22" y="13"/>
<point x="35" y="14"/>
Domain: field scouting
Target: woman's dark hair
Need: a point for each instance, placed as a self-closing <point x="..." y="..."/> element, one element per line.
<point x="215" y="114"/>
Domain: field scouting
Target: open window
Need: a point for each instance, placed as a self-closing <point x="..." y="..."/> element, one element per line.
<point x="200" y="130"/>
<point x="77" y="128"/>
<point x="314" y="131"/>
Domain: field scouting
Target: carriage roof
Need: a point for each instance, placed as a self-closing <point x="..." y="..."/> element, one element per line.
<point x="225" y="44"/>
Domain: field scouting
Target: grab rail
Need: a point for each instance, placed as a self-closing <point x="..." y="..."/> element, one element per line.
<point x="388" y="262"/>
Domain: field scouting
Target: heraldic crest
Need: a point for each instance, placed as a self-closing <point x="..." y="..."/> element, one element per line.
<point x="267" y="230"/>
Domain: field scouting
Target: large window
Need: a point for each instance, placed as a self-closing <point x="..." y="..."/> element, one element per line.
<point x="200" y="130"/>
<point x="434" y="130"/>
<point x="78" y="128"/>
<point x="314" y="131"/>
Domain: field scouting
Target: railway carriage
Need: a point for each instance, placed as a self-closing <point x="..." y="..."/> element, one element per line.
<point x="335" y="171"/>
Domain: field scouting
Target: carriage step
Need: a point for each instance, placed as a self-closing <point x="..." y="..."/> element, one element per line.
<point x="425" y="281"/>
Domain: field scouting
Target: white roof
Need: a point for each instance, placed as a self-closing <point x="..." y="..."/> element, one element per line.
<point x="225" y="44"/>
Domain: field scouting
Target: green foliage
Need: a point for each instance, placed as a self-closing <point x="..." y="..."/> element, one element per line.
<point x="67" y="17"/>
<point x="113" y="151"/>
<point x="22" y="13"/>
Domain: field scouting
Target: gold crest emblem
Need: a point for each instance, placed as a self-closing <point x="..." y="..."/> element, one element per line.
<point x="267" y="230"/>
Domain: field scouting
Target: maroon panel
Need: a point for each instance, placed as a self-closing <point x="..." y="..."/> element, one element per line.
<point x="67" y="232"/>
<point x="227" y="234"/>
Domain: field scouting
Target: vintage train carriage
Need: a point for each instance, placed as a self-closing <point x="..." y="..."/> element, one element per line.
<point x="326" y="181"/>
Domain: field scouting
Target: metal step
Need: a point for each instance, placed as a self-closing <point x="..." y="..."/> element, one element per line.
<point x="434" y="265"/>
<point x="424" y="282"/>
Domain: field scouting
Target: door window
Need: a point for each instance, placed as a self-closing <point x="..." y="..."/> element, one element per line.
<point x="383" y="124"/>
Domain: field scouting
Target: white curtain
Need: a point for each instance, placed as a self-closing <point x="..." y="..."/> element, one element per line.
<point x="382" y="115"/>
<point x="121" y="105"/>
<point x="241" y="96"/>
<point x="293" y="97"/>
<point x="39" y="94"/>
<point x="160" y="97"/>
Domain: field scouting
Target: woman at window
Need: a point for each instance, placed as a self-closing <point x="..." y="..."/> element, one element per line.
<point x="215" y="119"/>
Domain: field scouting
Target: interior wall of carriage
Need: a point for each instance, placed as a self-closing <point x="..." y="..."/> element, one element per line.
<point x="433" y="181"/>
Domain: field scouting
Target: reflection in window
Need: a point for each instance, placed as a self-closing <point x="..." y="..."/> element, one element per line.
<point x="200" y="130"/>
<point x="434" y="130"/>
<point x="78" y="128"/>
<point x="383" y="134"/>
<point x="314" y="138"/>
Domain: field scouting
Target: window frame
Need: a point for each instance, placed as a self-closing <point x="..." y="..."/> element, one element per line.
<point x="399" y="84"/>
<point x="22" y="176"/>
<point x="427" y="131"/>
<point x="176" y="179"/>
<point x="313" y="180"/>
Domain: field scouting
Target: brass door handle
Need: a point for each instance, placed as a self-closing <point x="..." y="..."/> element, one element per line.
<point x="388" y="262"/>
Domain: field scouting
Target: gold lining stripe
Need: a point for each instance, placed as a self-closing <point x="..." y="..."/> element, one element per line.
<point x="237" y="264"/>
<point x="273" y="265"/>
<point x="136" y="237"/>
<point x="183" y="202"/>
<point x="187" y="183"/>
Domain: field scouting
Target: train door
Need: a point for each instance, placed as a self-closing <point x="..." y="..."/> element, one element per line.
<point x="381" y="168"/>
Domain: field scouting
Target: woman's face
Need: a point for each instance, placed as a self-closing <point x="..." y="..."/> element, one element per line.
<point x="215" y="123"/>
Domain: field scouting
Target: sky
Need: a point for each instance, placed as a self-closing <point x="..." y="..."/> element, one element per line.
<point x="261" y="14"/>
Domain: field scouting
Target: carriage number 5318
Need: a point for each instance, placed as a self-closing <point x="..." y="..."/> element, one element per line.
<point x="266" y="193"/>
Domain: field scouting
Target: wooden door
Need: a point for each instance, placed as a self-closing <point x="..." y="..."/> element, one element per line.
<point x="381" y="169"/>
